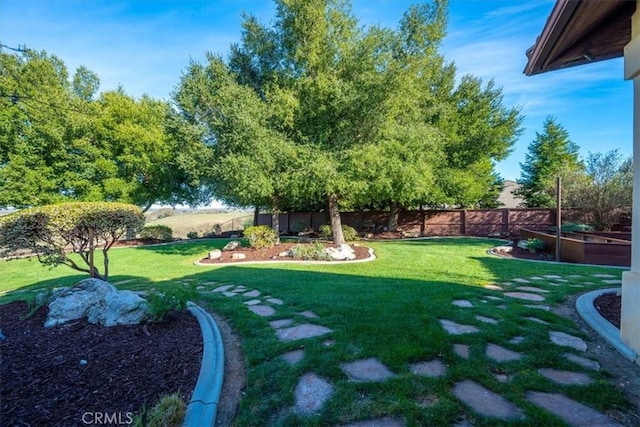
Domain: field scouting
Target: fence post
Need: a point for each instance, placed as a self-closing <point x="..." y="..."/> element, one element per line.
<point x="463" y="222"/>
<point x="505" y="221"/>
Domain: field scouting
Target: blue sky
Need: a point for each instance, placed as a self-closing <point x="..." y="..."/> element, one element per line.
<point x="145" y="45"/>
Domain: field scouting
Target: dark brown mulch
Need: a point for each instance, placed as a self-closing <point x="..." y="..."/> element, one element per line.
<point x="271" y="254"/>
<point x="44" y="383"/>
<point x="610" y="307"/>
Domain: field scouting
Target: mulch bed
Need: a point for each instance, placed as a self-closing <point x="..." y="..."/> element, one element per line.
<point x="272" y="254"/>
<point x="127" y="367"/>
<point x="610" y="307"/>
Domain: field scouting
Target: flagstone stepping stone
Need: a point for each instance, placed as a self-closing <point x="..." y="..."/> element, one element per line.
<point x="552" y="276"/>
<point x="251" y="294"/>
<point x="432" y="369"/>
<point x="541" y="307"/>
<point x="502" y="306"/>
<point x="252" y="302"/>
<point x="562" y="280"/>
<point x="380" y="422"/>
<point x="276" y="301"/>
<point x="200" y="288"/>
<point x="587" y="283"/>
<point x="582" y="361"/>
<point x="311" y="394"/>
<point x="223" y="288"/>
<point x="501" y="354"/>
<point x="485" y="402"/>
<point x="536" y="278"/>
<point x="604" y="276"/>
<point x="493" y="287"/>
<point x="612" y="281"/>
<point x="503" y="378"/>
<point x="565" y="377"/>
<point x="566" y="340"/>
<point x="531" y="289"/>
<point x="262" y="310"/>
<point x="462" y="303"/>
<point x="485" y="319"/>
<point x="366" y="370"/>
<point x="516" y="340"/>
<point x="454" y="328"/>
<point x="229" y="294"/>
<point x="492" y="297"/>
<point x="277" y="324"/>
<point x="240" y="289"/>
<point x="462" y="350"/>
<point x="525" y="296"/>
<point x="506" y="284"/>
<point x="520" y="280"/>
<point x="308" y="314"/>
<point x="575" y="276"/>
<point x="535" y="319"/>
<point x="328" y="343"/>
<point x="555" y="284"/>
<point x="301" y="331"/>
<point x="571" y="412"/>
<point x="293" y="357"/>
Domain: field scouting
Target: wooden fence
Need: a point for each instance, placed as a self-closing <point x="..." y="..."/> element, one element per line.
<point x="458" y="222"/>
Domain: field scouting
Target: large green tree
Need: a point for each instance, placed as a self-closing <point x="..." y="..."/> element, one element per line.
<point x="550" y="154"/>
<point x="61" y="140"/>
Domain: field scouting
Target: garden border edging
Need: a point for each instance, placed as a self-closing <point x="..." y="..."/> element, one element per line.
<point x="203" y="406"/>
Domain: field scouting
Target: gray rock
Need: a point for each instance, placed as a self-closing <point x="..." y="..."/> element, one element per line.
<point x="231" y="246"/>
<point x="215" y="254"/>
<point x="344" y="252"/>
<point x="100" y="302"/>
<point x="311" y="393"/>
<point x="485" y="402"/>
<point x="238" y="256"/>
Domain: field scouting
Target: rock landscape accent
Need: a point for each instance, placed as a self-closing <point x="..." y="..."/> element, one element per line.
<point x="98" y="301"/>
<point x="313" y="391"/>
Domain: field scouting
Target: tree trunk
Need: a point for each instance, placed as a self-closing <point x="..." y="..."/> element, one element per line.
<point x="256" y="215"/>
<point x="336" y="223"/>
<point x="275" y="219"/>
<point x="393" y="217"/>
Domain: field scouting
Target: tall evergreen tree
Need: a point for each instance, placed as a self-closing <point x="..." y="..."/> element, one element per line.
<point x="550" y="154"/>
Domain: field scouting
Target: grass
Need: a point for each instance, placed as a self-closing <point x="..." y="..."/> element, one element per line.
<point x="387" y="309"/>
<point x="202" y="222"/>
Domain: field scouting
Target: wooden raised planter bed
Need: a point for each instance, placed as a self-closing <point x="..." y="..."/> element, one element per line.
<point x="586" y="248"/>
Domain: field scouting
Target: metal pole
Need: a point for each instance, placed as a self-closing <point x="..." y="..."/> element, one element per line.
<point x="558" y="216"/>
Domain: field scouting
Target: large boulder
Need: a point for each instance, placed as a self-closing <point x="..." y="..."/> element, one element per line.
<point x="231" y="246"/>
<point x="100" y="302"/>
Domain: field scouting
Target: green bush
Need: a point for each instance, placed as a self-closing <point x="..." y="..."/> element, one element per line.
<point x="192" y="235"/>
<point x="168" y="412"/>
<point x="261" y="236"/>
<point x="162" y="303"/>
<point x="157" y="232"/>
<point x="350" y="233"/>
<point x="535" y="245"/>
<point x="314" y="251"/>
<point x="572" y="227"/>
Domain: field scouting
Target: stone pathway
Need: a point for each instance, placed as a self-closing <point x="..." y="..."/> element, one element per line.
<point x="313" y="391"/>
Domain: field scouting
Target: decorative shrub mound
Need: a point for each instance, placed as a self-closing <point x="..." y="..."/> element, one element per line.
<point x="349" y="233"/>
<point x="313" y="252"/>
<point x="157" y="232"/>
<point x="52" y="231"/>
<point x="261" y="236"/>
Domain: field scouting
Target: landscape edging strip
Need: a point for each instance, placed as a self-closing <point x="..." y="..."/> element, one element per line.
<point x="586" y="310"/>
<point x="203" y="407"/>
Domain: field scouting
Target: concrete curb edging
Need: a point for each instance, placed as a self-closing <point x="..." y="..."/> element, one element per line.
<point x="586" y="310"/>
<point x="203" y="407"/>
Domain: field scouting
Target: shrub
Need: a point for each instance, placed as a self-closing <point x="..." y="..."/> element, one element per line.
<point x="157" y="232"/>
<point x="52" y="231"/>
<point x="192" y="235"/>
<point x="261" y="236"/>
<point x="349" y="233"/>
<point x="168" y="412"/>
<point x="535" y="245"/>
<point x="572" y="227"/>
<point x="314" y="251"/>
<point x="162" y="303"/>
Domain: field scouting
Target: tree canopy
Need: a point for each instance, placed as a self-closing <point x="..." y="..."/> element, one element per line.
<point x="550" y="154"/>
<point x="60" y="140"/>
<point x="371" y="116"/>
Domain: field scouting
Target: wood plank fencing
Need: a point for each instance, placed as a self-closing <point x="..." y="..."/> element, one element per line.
<point x="454" y="222"/>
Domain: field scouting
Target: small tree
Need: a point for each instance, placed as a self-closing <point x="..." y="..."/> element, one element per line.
<point x="52" y="232"/>
<point x="603" y="194"/>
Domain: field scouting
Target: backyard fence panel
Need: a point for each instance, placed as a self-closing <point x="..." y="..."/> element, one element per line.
<point x="483" y="222"/>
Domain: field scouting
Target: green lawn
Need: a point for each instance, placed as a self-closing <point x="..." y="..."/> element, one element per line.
<point x="388" y="309"/>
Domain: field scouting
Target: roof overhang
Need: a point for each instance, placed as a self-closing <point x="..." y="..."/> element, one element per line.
<point x="579" y="32"/>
